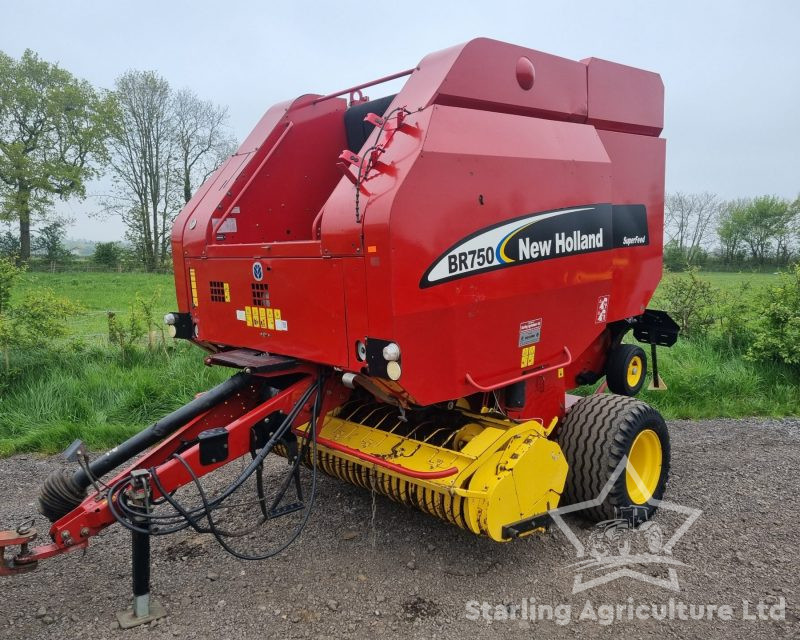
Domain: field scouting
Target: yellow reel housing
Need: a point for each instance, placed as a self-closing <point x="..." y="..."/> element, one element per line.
<point x="482" y="473"/>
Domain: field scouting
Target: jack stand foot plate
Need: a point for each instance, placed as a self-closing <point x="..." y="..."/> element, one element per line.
<point x="127" y="619"/>
<point x="662" y="386"/>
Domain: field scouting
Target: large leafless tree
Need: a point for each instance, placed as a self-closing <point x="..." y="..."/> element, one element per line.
<point x="688" y="219"/>
<point x="203" y="139"/>
<point x="143" y="144"/>
<point x="164" y="145"/>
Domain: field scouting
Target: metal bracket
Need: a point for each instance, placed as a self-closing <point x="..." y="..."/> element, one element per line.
<point x="656" y="328"/>
<point x="523" y="527"/>
<point x="251" y="361"/>
<point x="75" y="451"/>
<point x="347" y="159"/>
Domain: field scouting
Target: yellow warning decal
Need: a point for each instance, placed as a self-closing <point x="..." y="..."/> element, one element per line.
<point x="193" y="281"/>
<point x="263" y="317"/>
<point x="280" y="324"/>
<point x="528" y="355"/>
<point x="227" y="288"/>
<point x="561" y="372"/>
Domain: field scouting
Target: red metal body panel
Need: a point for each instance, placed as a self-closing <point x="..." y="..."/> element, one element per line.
<point x="623" y="98"/>
<point x="518" y="165"/>
<point x="481" y="135"/>
<point x="638" y="177"/>
<point x="307" y="292"/>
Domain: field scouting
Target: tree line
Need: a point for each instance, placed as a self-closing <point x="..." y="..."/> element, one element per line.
<point x="154" y="144"/>
<point x="701" y="229"/>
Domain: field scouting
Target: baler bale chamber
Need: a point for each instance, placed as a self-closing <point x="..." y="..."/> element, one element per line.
<point x="409" y="287"/>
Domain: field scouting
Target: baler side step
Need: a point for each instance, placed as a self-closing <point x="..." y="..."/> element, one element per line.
<point x="251" y="361"/>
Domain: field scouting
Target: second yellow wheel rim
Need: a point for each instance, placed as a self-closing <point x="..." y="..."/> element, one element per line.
<point x="644" y="458"/>
<point x="634" y="372"/>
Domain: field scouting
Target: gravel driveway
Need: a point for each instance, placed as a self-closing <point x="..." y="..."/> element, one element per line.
<point x="401" y="574"/>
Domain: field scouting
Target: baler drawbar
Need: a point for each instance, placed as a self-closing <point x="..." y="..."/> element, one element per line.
<point x="408" y="288"/>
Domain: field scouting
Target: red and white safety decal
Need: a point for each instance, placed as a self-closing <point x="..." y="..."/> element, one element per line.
<point x="602" y="309"/>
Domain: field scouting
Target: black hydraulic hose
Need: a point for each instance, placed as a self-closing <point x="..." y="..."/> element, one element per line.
<point x="219" y="535"/>
<point x="190" y="516"/>
<point x="159" y="430"/>
<point x="267" y="448"/>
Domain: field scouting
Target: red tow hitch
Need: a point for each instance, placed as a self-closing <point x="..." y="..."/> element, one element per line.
<point x="22" y="536"/>
<point x="28" y="559"/>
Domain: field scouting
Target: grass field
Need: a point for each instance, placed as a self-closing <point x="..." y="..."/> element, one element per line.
<point x="85" y="390"/>
<point x="728" y="281"/>
<point x="99" y="293"/>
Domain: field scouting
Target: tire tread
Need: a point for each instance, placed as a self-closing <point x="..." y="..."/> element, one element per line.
<point x="593" y="438"/>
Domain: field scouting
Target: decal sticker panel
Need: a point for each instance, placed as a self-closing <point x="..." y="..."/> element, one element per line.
<point x="541" y="236"/>
<point x="602" y="309"/>
<point x="630" y="225"/>
<point x="530" y="332"/>
<point x="527" y="357"/>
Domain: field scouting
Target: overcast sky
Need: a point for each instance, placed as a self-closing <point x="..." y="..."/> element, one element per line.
<point x="731" y="68"/>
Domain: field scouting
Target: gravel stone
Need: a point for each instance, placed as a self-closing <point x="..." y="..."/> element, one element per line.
<point x="743" y="475"/>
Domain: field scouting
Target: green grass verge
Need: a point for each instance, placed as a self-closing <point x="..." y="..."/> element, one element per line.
<point x="94" y="396"/>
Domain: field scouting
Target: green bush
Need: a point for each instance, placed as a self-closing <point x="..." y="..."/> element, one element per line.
<point x="776" y="322"/>
<point x="733" y="310"/>
<point x="9" y="245"/>
<point x="674" y="258"/>
<point x="34" y="320"/>
<point x="107" y="254"/>
<point x="690" y="301"/>
<point x="141" y="322"/>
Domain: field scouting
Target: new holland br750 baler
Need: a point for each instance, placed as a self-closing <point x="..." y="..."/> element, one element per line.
<point x="410" y="286"/>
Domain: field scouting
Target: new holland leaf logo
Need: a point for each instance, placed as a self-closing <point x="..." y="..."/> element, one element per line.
<point x="610" y="554"/>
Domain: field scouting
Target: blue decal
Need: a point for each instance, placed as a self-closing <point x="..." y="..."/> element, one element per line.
<point x="258" y="271"/>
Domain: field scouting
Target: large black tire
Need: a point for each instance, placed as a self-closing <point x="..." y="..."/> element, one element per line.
<point x="596" y="436"/>
<point x="626" y="369"/>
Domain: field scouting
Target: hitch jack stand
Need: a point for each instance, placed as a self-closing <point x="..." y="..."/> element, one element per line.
<point x="657" y="384"/>
<point x="144" y="610"/>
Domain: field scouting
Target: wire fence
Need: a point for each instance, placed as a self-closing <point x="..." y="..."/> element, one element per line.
<point x="85" y="266"/>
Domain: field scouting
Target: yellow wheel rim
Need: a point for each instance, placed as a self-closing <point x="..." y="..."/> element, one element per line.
<point x="634" y="372"/>
<point x="644" y="460"/>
